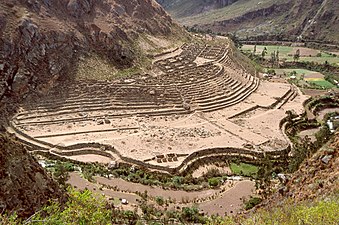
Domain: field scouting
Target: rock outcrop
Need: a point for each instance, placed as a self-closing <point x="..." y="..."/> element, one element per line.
<point x="24" y="184"/>
<point x="41" y="41"/>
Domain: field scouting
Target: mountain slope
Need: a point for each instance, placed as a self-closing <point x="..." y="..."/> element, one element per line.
<point x="24" y="185"/>
<point x="179" y="9"/>
<point x="286" y="19"/>
<point x="42" y="41"/>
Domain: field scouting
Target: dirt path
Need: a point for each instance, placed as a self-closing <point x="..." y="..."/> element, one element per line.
<point x="231" y="201"/>
<point x="322" y="113"/>
<point x="179" y="196"/>
<point x="216" y="202"/>
<point x="81" y="184"/>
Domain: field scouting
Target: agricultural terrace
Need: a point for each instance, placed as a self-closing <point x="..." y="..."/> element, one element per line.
<point x="197" y="101"/>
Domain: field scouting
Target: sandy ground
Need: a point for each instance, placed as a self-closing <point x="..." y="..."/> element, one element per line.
<point x="178" y="196"/>
<point x="91" y="158"/>
<point x="305" y="52"/>
<point x="81" y="184"/>
<point x="229" y="201"/>
<point x="204" y="169"/>
<point x="310" y="133"/>
<point x="314" y="92"/>
<point x="143" y="138"/>
<point x="314" y="75"/>
<point x="322" y="113"/>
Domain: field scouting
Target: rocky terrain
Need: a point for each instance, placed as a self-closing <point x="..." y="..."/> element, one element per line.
<point x="41" y="44"/>
<point x="267" y="20"/>
<point x="316" y="178"/>
<point x="180" y="9"/>
<point x="42" y="41"/>
<point x="24" y="184"/>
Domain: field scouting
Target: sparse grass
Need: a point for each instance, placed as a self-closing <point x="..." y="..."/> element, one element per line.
<point x="323" y="212"/>
<point x="244" y="169"/>
<point x="236" y="9"/>
<point x="94" y="67"/>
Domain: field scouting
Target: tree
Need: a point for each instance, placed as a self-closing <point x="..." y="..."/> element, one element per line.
<point x="255" y="49"/>
<point x="273" y="58"/>
<point x="265" y="175"/>
<point x="60" y="174"/>
<point x="263" y="53"/>
<point x="213" y="182"/>
<point x="296" y="56"/>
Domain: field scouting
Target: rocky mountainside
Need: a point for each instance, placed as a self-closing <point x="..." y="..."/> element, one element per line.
<point x="263" y="19"/>
<point x="317" y="178"/>
<point x="24" y="184"/>
<point x="180" y="9"/>
<point x="41" y="45"/>
<point x="42" y="40"/>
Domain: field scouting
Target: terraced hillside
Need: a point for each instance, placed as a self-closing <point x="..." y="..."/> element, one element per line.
<point x="262" y="19"/>
<point x="163" y="120"/>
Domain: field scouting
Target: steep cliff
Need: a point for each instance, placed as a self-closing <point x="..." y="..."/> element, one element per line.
<point x="24" y="185"/>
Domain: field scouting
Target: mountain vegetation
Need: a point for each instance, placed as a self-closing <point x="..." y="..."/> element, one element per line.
<point x="261" y="19"/>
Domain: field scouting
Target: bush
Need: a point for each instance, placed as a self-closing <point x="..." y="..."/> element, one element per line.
<point x="253" y="201"/>
<point x="214" y="182"/>
<point x="159" y="200"/>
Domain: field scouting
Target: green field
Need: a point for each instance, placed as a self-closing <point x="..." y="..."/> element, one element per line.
<point x="318" y="82"/>
<point x="298" y="71"/>
<point x="323" y="83"/>
<point x="244" y="169"/>
<point x="286" y="53"/>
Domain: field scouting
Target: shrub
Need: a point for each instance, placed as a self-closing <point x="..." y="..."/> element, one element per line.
<point x="253" y="201"/>
<point x="214" y="182"/>
<point x="159" y="200"/>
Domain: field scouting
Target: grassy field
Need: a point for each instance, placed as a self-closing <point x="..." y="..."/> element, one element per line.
<point x="287" y="52"/>
<point x="322" y="83"/>
<point x="244" y="169"/>
<point x="298" y="71"/>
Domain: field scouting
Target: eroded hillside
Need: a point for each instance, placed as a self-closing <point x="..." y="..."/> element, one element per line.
<point x="262" y="19"/>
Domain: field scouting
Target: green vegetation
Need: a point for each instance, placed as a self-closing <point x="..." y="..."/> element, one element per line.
<point x="322" y="83"/>
<point x="290" y="54"/>
<point x="252" y="202"/>
<point x="214" y="182"/>
<point x="237" y="9"/>
<point x="244" y="169"/>
<point x="303" y="147"/>
<point x="136" y="175"/>
<point x="88" y="208"/>
<point x="288" y="213"/>
<point x="159" y="200"/>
